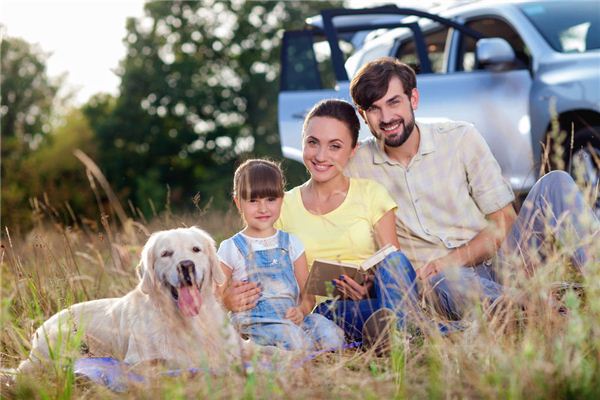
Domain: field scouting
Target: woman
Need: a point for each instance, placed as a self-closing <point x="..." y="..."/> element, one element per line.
<point x="346" y="219"/>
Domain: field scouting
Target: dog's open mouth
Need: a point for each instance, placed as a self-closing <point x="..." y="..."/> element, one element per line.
<point x="187" y="298"/>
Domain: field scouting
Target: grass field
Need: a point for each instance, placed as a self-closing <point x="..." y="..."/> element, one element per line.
<point x="537" y="353"/>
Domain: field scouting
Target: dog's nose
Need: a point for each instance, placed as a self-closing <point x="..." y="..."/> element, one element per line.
<point x="188" y="270"/>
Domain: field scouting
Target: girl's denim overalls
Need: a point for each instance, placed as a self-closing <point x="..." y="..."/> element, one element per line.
<point x="265" y="324"/>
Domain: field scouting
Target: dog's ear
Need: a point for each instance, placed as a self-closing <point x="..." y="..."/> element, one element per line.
<point x="145" y="269"/>
<point x="216" y="272"/>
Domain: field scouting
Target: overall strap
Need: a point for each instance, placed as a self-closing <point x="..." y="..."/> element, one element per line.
<point x="242" y="245"/>
<point x="284" y="240"/>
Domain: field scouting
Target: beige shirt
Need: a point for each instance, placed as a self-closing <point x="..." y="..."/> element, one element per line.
<point x="444" y="193"/>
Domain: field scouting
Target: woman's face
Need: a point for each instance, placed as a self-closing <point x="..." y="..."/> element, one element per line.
<point x="326" y="148"/>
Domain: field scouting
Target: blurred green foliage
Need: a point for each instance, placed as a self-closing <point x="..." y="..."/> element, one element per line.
<point x="28" y="167"/>
<point x="198" y="93"/>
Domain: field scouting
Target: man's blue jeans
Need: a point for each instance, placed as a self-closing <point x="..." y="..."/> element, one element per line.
<point x="554" y="207"/>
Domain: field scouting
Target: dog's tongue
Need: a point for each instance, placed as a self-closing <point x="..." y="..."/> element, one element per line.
<point x="189" y="301"/>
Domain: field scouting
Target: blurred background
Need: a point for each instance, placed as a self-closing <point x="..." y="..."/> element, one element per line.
<point x="165" y="97"/>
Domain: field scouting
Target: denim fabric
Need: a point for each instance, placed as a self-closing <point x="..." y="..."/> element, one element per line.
<point x="555" y="206"/>
<point x="265" y="324"/>
<point x="393" y="287"/>
<point x="456" y="288"/>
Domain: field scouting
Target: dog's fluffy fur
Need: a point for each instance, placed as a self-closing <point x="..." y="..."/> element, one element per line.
<point x="171" y="316"/>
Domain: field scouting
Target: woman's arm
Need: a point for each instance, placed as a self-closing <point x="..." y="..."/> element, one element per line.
<point x="385" y="230"/>
<point x="235" y="295"/>
<point x="221" y="289"/>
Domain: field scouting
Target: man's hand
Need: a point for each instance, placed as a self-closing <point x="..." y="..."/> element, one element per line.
<point x="241" y="296"/>
<point x="350" y="289"/>
<point x="436" y="266"/>
<point x="430" y="269"/>
<point x="295" y="315"/>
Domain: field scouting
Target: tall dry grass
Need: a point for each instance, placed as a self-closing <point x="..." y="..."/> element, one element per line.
<point x="542" y="343"/>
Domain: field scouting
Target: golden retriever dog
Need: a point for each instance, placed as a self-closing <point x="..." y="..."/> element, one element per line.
<point x="172" y="316"/>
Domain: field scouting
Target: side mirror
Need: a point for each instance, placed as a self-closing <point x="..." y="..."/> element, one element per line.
<point x="495" y="54"/>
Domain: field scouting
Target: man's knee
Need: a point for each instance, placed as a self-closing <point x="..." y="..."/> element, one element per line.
<point x="557" y="179"/>
<point x="463" y="282"/>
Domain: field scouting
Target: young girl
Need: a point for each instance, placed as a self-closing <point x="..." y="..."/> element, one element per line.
<point x="275" y="260"/>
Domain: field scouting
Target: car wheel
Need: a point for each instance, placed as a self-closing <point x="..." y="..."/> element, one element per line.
<point x="583" y="161"/>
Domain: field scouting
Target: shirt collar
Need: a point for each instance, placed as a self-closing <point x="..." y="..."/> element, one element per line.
<point x="426" y="145"/>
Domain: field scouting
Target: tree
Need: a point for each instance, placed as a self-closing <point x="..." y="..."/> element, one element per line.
<point x="26" y="111"/>
<point x="198" y="91"/>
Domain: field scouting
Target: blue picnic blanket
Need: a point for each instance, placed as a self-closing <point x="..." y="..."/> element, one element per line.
<point x="117" y="375"/>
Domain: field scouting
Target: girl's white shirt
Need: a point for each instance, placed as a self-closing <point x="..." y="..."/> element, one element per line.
<point x="229" y="254"/>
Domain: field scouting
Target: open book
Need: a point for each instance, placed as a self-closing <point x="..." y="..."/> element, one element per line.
<point x="323" y="271"/>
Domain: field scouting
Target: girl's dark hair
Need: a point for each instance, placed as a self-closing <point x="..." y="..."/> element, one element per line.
<point x="257" y="179"/>
<point x="337" y="109"/>
<point x="371" y="82"/>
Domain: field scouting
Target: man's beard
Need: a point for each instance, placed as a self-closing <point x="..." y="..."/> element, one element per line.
<point x="398" y="139"/>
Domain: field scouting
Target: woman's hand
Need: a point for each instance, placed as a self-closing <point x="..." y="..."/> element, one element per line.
<point x="241" y="296"/>
<point x="353" y="290"/>
<point x="295" y="315"/>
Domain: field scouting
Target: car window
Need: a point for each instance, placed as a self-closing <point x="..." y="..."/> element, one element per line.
<point x="492" y="27"/>
<point x="435" y="41"/>
<point x="369" y="54"/>
<point x="306" y="61"/>
<point x="568" y="26"/>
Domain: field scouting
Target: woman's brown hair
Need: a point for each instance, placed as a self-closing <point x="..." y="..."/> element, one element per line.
<point x="337" y="109"/>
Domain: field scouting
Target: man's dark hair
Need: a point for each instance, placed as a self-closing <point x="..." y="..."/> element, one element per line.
<point x="337" y="109"/>
<point x="372" y="80"/>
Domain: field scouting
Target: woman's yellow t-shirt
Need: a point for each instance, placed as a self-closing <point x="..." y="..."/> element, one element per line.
<point x="345" y="234"/>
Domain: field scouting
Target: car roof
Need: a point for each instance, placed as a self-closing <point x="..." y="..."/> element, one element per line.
<point x="452" y="8"/>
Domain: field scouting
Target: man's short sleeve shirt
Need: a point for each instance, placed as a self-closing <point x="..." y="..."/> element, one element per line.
<point x="445" y="192"/>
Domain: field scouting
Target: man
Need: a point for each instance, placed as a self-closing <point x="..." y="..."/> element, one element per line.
<point x="454" y="208"/>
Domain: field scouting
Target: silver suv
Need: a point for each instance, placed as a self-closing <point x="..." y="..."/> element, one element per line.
<point x="510" y="68"/>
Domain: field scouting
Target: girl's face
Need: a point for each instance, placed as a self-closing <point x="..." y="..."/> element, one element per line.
<point x="326" y="148"/>
<point x="260" y="215"/>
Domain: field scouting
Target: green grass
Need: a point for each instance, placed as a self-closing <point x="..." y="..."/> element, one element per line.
<point x="534" y="354"/>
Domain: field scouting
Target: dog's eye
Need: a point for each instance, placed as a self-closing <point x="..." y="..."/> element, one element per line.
<point x="196" y="249"/>
<point x="166" y="253"/>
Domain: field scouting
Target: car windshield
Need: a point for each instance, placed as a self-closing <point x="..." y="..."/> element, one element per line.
<point x="568" y="26"/>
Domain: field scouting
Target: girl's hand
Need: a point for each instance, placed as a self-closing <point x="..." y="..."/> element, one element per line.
<point x="350" y="289"/>
<point x="241" y="296"/>
<point x="295" y="315"/>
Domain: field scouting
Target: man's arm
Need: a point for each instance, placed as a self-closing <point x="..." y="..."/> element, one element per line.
<point x="482" y="247"/>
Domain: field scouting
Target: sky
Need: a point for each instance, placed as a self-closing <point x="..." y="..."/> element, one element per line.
<point x="84" y="37"/>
